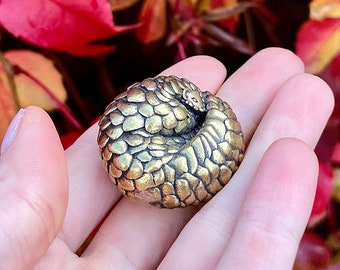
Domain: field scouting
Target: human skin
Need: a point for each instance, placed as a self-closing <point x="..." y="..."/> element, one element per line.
<point x="51" y="200"/>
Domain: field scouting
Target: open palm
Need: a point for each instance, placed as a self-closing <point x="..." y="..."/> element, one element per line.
<point x="51" y="200"/>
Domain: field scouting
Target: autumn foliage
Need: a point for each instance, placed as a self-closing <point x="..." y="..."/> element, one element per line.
<point x="70" y="26"/>
<point x="86" y="29"/>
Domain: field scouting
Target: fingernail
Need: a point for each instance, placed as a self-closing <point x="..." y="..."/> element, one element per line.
<point x="11" y="131"/>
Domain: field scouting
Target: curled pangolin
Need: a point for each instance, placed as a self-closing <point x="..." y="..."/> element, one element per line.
<point x="167" y="143"/>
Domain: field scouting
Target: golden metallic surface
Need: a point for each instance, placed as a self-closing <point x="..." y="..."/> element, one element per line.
<point x="166" y="143"/>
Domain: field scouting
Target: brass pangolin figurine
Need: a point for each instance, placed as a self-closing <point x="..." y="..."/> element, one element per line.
<point x="166" y="143"/>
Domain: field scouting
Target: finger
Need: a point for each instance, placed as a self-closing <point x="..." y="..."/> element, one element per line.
<point x="276" y="210"/>
<point x="92" y="194"/>
<point x="204" y="71"/>
<point x="251" y="89"/>
<point x="33" y="190"/>
<point x="292" y="113"/>
<point x="136" y="236"/>
<point x="216" y="220"/>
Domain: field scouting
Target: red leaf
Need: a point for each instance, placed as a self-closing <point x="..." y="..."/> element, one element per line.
<point x="323" y="193"/>
<point x="313" y="253"/>
<point x="325" y="147"/>
<point x="331" y="75"/>
<point x="336" y="154"/>
<point x="153" y="21"/>
<point x="317" y="43"/>
<point x="60" y="24"/>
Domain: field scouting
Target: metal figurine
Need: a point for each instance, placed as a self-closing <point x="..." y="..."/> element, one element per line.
<point x="167" y="143"/>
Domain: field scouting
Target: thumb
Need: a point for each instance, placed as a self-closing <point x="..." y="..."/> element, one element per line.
<point x="33" y="189"/>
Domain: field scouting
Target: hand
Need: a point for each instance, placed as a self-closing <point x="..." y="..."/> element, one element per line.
<point x="51" y="200"/>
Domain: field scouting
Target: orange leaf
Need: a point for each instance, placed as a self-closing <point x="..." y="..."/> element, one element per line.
<point x="41" y="68"/>
<point x="121" y="4"/>
<point x="321" y="9"/>
<point x="222" y="3"/>
<point x="7" y="107"/>
<point x="153" y="21"/>
<point x="318" y="43"/>
<point x="229" y="11"/>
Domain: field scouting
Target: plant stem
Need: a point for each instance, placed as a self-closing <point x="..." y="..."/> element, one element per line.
<point x="60" y="105"/>
<point x="180" y="47"/>
<point x="9" y="71"/>
<point x="250" y="29"/>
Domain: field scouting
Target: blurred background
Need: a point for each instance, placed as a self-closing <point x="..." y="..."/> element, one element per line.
<point x="73" y="57"/>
